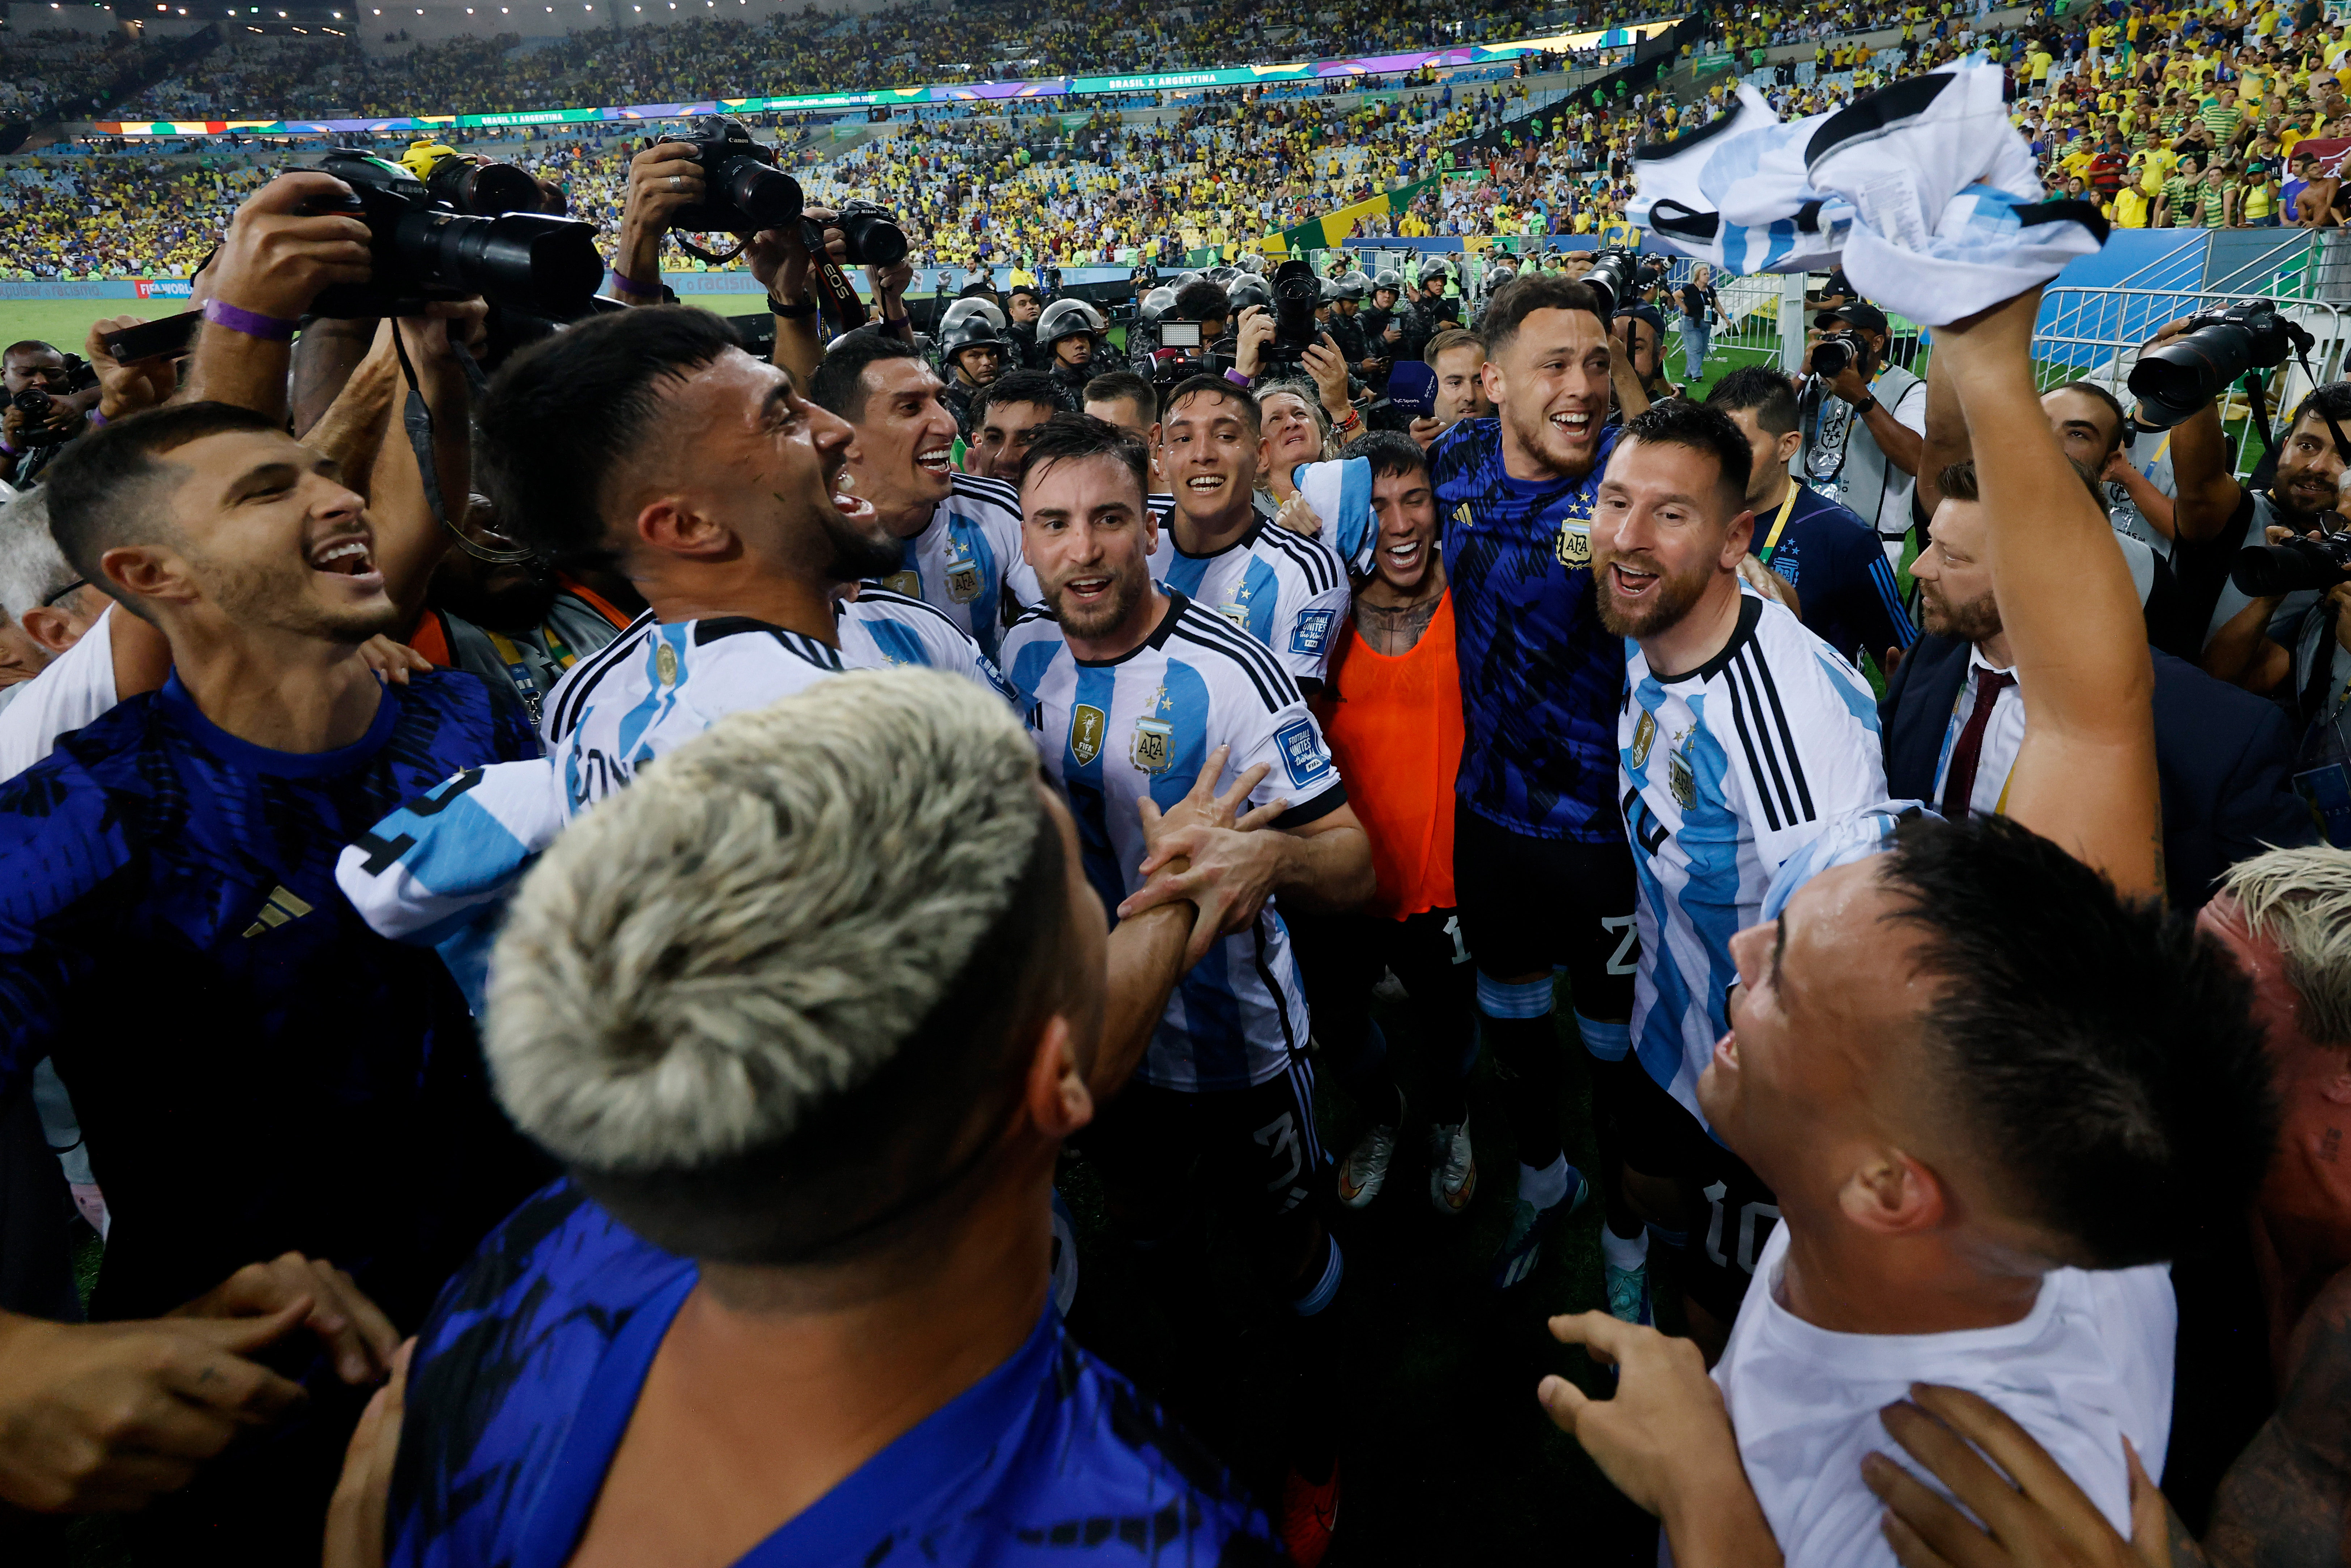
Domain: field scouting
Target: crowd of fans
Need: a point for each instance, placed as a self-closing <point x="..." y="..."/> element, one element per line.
<point x="563" y="933"/>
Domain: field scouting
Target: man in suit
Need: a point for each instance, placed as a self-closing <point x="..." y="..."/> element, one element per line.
<point x="1952" y="719"/>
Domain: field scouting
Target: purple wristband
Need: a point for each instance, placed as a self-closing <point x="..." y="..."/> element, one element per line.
<point x="253" y="324"/>
<point x="98" y="419"/>
<point x="1239" y="380"/>
<point x="10" y="451"/>
<point x="630" y="286"/>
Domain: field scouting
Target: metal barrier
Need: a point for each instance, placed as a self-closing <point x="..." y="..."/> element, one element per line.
<point x="2096" y="334"/>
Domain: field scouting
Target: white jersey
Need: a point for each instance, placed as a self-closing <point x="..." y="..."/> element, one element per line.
<point x="72" y="689"/>
<point x="967" y="557"/>
<point x="880" y="629"/>
<point x="2089" y="1366"/>
<point x="437" y="870"/>
<point x="1727" y="771"/>
<point x="1140" y="728"/>
<point x="1285" y="589"/>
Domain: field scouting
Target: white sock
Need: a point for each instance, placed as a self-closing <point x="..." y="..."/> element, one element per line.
<point x="1546" y="1186"/>
<point x="1622" y="1252"/>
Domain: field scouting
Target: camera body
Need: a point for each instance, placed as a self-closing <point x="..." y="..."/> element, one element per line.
<point x="1833" y="352"/>
<point x="873" y="236"/>
<point x="1297" y="294"/>
<point x="1618" y="274"/>
<point x="2175" y="380"/>
<point x="424" y="249"/>
<point x="743" y="192"/>
<point x="2291" y="565"/>
<point x="36" y="403"/>
<point x="470" y="185"/>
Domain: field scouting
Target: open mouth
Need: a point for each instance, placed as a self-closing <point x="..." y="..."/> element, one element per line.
<point x="1575" y="424"/>
<point x="1205" y="484"/>
<point x="1086" y="591"/>
<point x="1405" y="556"/>
<point x="939" y="460"/>
<point x="346" y="555"/>
<point x="1630" y="582"/>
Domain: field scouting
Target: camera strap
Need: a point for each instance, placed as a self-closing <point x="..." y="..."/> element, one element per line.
<point x="2342" y="442"/>
<point x="416" y="418"/>
<point x="2257" y="411"/>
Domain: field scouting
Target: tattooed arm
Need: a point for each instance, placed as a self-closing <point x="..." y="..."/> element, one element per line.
<point x="2287" y="1499"/>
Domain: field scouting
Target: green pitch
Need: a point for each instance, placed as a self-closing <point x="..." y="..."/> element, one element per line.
<point x="65" y="322"/>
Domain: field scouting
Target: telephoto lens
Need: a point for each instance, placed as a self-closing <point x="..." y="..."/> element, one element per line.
<point x="2173" y="382"/>
<point x="2267" y="570"/>
<point x="484" y="189"/>
<point x="1611" y="277"/>
<point x="873" y="236"/>
<point x="742" y="191"/>
<point x="1296" y="294"/>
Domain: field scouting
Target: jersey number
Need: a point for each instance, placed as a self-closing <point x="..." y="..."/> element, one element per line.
<point x="1453" y="929"/>
<point x="1749" y="1214"/>
<point x="1625" y="960"/>
<point x="383" y="853"/>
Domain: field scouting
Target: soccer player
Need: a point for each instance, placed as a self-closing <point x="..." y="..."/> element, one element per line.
<point x="1742" y="735"/>
<point x="1006" y="415"/>
<point x="1129" y="689"/>
<point x="959" y="534"/>
<point x="1288" y="591"/>
<point x="1964" y="1066"/>
<point x="1392" y="716"/>
<point x="1827" y="553"/>
<point x="169" y="868"/>
<point x="1540" y="863"/>
<point x="807" y="1013"/>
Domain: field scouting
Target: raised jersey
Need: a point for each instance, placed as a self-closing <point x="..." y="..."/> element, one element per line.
<point x="527" y="1373"/>
<point x="1728" y="770"/>
<point x="1541" y="679"/>
<point x="1115" y="734"/>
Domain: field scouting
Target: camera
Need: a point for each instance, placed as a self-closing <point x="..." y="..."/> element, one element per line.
<point x="474" y="185"/>
<point x="424" y="249"/>
<point x="1618" y="276"/>
<point x="35" y="403"/>
<point x="872" y="234"/>
<point x="2176" y="380"/>
<point x="1297" y="294"/>
<point x="742" y="191"/>
<point x="2291" y="565"/>
<point x="1833" y="353"/>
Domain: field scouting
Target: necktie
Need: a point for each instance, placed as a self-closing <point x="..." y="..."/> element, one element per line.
<point x="1961" y="782"/>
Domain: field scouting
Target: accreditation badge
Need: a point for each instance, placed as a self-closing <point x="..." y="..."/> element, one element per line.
<point x="1153" y="748"/>
<point x="1086" y="725"/>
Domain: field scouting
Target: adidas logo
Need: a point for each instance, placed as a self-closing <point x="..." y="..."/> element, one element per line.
<point x="281" y="907"/>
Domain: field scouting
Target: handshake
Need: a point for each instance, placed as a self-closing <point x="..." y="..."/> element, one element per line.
<point x="1923" y="191"/>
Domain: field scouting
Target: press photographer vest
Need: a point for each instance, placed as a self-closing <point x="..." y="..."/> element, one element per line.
<point x="1852" y="472"/>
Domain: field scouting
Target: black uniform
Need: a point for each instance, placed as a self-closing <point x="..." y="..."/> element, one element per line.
<point x="1423" y="319"/>
<point x="1024" y="345"/>
<point x="956" y="399"/>
<point x="1069" y="382"/>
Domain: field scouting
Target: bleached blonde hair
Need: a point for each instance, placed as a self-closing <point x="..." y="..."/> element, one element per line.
<point x="757" y="923"/>
<point x="2300" y="899"/>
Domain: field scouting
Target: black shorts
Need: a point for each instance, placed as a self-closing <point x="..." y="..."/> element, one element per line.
<point x="1731" y="1212"/>
<point x="1340" y="957"/>
<point x="1253" y="1154"/>
<point x="1531" y="905"/>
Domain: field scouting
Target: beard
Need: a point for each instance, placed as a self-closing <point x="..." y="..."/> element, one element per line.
<point x="517" y="604"/>
<point x="1533" y="429"/>
<point x="1126" y="590"/>
<point x="273" y="598"/>
<point x="1667" y="603"/>
<point x="1970" y="621"/>
<point x="857" y="555"/>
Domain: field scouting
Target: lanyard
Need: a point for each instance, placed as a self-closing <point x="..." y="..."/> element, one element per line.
<point x="1779" y="523"/>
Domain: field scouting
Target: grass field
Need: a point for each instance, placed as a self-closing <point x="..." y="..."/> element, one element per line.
<point x="65" y="322"/>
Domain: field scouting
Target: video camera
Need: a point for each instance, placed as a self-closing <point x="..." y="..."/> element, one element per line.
<point x="1619" y="274"/>
<point x="424" y="248"/>
<point x="2175" y="380"/>
<point x="35" y="403"/>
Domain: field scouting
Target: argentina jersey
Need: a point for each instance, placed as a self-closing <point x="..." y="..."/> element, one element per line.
<point x="1285" y="589"/>
<point x="1727" y="771"/>
<point x="880" y="630"/>
<point x="1117" y="733"/>
<point x="1540" y="678"/>
<point x="966" y="557"/>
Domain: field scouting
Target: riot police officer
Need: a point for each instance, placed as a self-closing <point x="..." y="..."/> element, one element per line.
<point x="973" y="349"/>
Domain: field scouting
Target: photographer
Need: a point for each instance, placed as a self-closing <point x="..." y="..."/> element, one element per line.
<point x="2215" y="516"/>
<point x="1701" y="309"/>
<point x="1865" y="421"/>
<point x="1640" y="330"/>
<point x="44" y="409"/>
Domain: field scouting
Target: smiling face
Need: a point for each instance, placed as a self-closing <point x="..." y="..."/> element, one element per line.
<point x="903" y="459"/>
<point x="1209" y="452"/>
<point x="1288" y="434"/>
<point x="1551" y="385"/>
<point x="1087" y="534"/>
<point x="2308" y="468"/>
<point x="1003" y="438"/>
<point x="1405" y="507"/>
<point x="1663" y="534"/>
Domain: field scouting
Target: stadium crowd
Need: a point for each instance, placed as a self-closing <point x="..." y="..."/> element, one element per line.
<point x="627" y="948"/>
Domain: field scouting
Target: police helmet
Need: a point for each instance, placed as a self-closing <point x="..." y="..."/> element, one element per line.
<point x="1246" y="290"/>
<point x="1390" y="279"/>
<point x="964" y="309"/>
<point x="1156" y="303"/>
<point x="1432" y="270"/>
<point x="974" y="331"/>
<point x="1354" y="286"/>
<point x="1066" y="319"/>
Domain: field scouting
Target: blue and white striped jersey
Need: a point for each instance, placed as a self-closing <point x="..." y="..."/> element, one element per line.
<point x="1726" y="772"/>
<point x="1285" y="589"/>
<point x="879" y="628"/>
<point x="963" y="562"/>
<point x="1116" y="733"/>
<point x="437" y="870"/>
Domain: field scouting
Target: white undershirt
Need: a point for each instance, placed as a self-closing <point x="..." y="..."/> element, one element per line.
<point x="2003" y="738"/>
<point x="71" y="690"/>
<point x="2089" y="1366"/>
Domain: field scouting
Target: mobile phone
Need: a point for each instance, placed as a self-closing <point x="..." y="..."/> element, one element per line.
<point x="168" y="339"/>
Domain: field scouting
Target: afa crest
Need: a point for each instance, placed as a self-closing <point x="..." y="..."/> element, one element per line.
<point x="962" y="581"/>
<point x="1087" y="723"/>
<point x="1152" y="749"/>
<point x="1574" y="545"/>
<point x="1680" y="778"/>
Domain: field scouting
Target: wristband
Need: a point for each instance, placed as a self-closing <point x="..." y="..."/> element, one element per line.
<point x="8" y="450"/>
<point x="1237" y="379"/>
<point x="799" y="312"/>
<point x="631" y="286"/>
<point x="97" y="418"/>
<point x="1865" y="405"/>
<point x="251" y="323"/>
<point x="1354" y="417"/>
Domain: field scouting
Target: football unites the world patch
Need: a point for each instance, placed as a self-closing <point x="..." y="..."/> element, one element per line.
<point x="1311" y="631"/>
<point x="1302" y="752"/>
